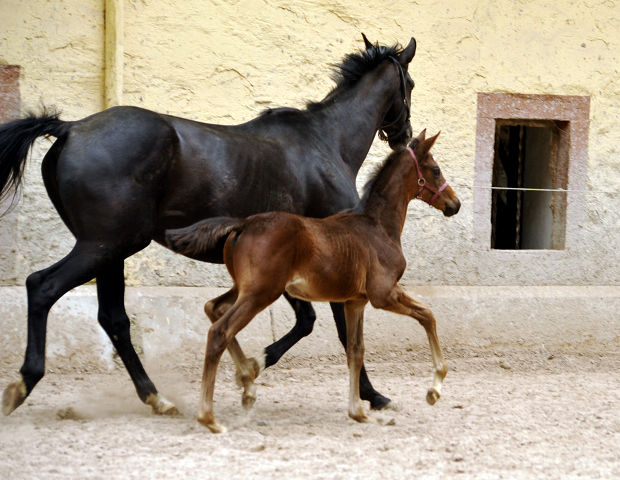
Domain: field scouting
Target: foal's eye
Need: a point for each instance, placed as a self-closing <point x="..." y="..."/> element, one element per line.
<point x="436" y="172"/>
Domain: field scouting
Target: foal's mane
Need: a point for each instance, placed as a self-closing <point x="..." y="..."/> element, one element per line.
<point x="373" y="180"/>
<point x="374" y="177"/>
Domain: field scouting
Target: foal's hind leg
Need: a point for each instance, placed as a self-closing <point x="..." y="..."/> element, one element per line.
<point x="114" y="320"/>
<point x="220" y="335"/>
<point x="247" y="369"/>
<point x="367" y="392"/>
<point x="400" y="302"/>
<point x="44" y="289"/>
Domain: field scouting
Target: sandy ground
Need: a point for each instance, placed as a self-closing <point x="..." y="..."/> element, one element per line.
<point x="504" y="414"/>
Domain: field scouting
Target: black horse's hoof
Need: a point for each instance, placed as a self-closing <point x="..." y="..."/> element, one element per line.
<point x="379" y="402"/>
<point x="14" y="395"/>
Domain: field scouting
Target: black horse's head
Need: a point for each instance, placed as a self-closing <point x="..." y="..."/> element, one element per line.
<point x="395" y="127"/>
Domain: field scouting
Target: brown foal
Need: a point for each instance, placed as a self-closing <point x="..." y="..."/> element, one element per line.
<point x="353" y="257"/>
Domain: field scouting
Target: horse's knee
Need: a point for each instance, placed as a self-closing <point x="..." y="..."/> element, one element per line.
<point x="33" y="281"/>
<point x="37" y="295"/>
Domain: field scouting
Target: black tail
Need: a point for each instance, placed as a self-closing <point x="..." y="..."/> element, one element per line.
<point x="16" y="138"/>
<point x="201" y="237"/>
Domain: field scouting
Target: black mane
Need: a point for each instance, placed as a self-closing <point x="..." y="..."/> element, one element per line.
<point x="355" y="65"/>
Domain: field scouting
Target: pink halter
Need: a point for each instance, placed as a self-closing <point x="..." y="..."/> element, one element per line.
<point x="422" y="182"/>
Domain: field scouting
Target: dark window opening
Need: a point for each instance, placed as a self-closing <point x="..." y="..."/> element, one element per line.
<point x="529" y="155"/>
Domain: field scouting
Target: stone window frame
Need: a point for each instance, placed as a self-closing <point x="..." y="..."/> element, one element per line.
<point x="492" y="108"/>
<point x="10" y="105"/>
<point x="9" y="93"/>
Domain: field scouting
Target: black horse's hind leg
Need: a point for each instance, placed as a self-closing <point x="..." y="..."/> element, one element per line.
<point x="114" y="320"/>
<point x="367" y="392"/>
<point x="305" y="318"/>
<point x="44" y="289"/>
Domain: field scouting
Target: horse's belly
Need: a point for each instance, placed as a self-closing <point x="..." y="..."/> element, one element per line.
<point x="318" y="291"/>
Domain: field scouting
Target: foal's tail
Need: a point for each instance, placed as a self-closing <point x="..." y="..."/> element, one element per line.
<point x="197" y="239"/>
<point x="16" y="138"/>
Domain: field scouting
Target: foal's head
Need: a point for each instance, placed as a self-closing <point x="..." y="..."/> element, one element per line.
<point x="431" y="186"/>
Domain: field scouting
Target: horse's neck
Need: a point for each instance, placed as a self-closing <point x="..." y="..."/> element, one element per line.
<point x="356" y="115"/>
<point x="388" y="202"/>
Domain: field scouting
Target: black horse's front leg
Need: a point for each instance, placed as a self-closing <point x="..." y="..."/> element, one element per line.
<point x="305" y="318"/>
<point x="367" y="392"/>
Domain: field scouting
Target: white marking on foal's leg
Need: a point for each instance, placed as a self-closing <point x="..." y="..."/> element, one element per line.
<point x="356" y="410"/>
<point x="160" y="405"/>
<point x="262" y="362"/>
<point x="434" y="393"/>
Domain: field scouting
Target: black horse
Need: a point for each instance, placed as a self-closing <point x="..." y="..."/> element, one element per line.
<point x="122" y="177"/>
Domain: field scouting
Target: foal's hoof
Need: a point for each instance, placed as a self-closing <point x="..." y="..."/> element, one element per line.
<point x="432" y="396"/>
<point x="161" y="406"/>
<point x="380" y="402"/>
<point x="248" y="399"/>
<point x="214" y="426"/>
<point x="14" y="395"/>
<point x="363" y="418"/>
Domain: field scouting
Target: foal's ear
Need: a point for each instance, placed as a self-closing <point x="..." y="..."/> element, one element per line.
<point x="408" y="53"/>
<point x="366" y="42"/>
<point x="426" y="145"/>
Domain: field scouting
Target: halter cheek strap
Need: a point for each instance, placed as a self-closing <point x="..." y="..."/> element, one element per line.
<point x="403" y="109"/>
<point x="422" y="182"/>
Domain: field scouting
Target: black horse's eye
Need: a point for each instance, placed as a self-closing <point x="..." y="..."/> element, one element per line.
<point x="436" y="172"/>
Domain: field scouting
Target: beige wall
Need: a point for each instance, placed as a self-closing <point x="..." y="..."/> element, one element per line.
<point x="223" y="62"/>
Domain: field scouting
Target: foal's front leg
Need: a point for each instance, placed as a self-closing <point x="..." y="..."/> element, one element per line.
<point x="367" y="391"/>
<point x="354" y="313"/>
<point x="399" y="302"/>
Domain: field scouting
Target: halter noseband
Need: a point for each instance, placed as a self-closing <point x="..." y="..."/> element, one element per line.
<point x="405" y="108"/>
<point x="422" y="182"/>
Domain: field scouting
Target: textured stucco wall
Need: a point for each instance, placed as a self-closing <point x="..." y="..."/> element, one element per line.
<point x="223" y="62"/>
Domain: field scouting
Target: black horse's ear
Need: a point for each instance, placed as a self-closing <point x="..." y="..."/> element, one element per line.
<point x="366" y="42"/>
<point x="408" y="53"/>
<point x="422" y="136"/>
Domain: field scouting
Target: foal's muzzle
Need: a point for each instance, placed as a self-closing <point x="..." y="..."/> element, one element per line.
<point x="452" y="207"/>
